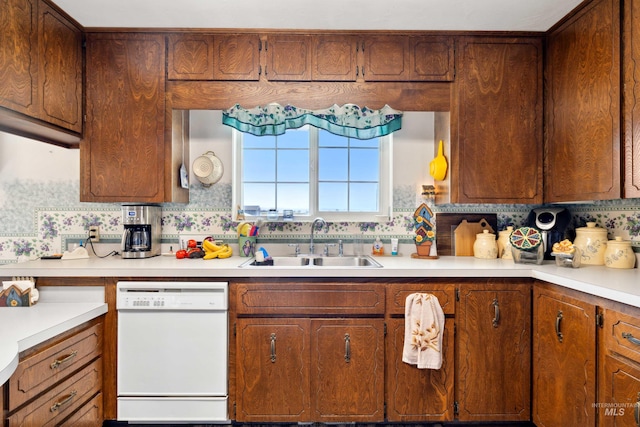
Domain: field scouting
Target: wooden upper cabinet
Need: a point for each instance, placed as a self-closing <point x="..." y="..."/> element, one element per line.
<point x="431" y="59"/>
<point x="583" y="106"/>
<point x="403" y="58"/>
<point x="334" y="58"/>
<point x="190" y="57"/>
<point x="237" y="57"/>
<point x="213" y="57"/>
<point x="496" y="122"/>
<point x="60" y="70"/>
<point x="18" y="68"/>
<point x="122" y="157"/>
<point x="41" y="72"/>
<point x="288" y="57"/>
<point x="386" y="58"/>
<point x="631" y="96"/>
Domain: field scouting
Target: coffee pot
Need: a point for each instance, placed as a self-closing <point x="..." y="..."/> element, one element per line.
<point x="142" y="231"/>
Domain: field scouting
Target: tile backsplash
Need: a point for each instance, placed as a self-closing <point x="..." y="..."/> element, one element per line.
<point x="44" y="217"/>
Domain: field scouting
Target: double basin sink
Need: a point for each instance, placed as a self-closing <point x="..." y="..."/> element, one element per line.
<point x="311" y="261"/>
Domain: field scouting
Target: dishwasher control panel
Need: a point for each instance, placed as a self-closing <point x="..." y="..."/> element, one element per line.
<point x="172" y="296"/>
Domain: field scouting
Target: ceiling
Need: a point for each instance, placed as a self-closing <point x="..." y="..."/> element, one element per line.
<point x="423" y="15"/>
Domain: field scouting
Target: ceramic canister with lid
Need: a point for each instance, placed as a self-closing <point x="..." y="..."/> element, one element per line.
<point x="504" y="244"/>
<point x="592" y="242"/>
<point x="619" y="254"/>
<point x="485" y="246"/>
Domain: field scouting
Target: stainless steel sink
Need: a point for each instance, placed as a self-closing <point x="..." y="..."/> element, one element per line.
<point x="314" y="261"/>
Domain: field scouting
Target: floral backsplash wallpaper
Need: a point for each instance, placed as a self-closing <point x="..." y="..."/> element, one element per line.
<point x="48" y="217"/>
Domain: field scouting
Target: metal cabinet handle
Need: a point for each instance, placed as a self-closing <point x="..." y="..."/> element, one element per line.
<point x="347" y="348"/>
<point x="558" y="319"/>
<point x="65" y="359"/>
<point x="273" y="348"/>
<point x="496" y="313"/>
<point x="629" y="337"/>
<point x="68" y="398"/>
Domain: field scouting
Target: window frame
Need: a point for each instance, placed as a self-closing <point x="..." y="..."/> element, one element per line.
<point x="385" y="191"/>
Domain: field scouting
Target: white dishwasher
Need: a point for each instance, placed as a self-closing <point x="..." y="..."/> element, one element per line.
<point x="172" y="352"/>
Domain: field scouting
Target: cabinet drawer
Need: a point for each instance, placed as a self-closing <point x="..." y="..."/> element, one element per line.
<point x="90" y="414"/>
<point x="41" y="370"/>
<point x="397" y="295"/>
<point x="62" y="400"/>
<point x="309" y="298"/>
<point x="622" y="334"/>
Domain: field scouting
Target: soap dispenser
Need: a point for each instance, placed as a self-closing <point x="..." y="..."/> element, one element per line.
<point x="378" y="247"/>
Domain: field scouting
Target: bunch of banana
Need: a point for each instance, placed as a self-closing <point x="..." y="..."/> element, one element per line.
<point x="211" y="250"/>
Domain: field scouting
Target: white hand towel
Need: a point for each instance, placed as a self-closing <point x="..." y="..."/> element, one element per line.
<point x="424" y="326"/>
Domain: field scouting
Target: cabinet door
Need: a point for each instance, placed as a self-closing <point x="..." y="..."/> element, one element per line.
<point x="386" y="58"/>
<point x="432" y="59"/>
<point x="60" y="70"/>
<point x="564" y="367"/>
<point x="288" y="58"/>
<point x="631" y="95"/>
<point x="272" y="370"/>
<point x="414" y="394"/>
<point x="123" y="152"/>
<point x="583" y="106"/>
<point x="496" y="123"/>
<point x="334" y="58"/>
<point x="236" y="57"/>
<point x="347" y="381"/>
<point x="620" y="394"/>
<point x="190" y="57"/>
<point x="18" y="67"/>
<point x="494" y="353"/>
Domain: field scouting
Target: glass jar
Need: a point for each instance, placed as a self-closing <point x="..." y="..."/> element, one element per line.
<point x="485" y="246"/>
<point x="619" y="254"/>
<point x="592" y="241"/>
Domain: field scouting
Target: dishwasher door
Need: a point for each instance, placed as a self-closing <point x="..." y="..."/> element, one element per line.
<point x="172" y="353"/>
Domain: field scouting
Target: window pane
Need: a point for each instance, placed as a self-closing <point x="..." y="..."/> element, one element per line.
<point x="333" y="164"/>
<point x="294" y="138"/>
<point x="293" y="166"/>
<point x="363" y="197"/>
<point x="366" y="143"/>
<point x="263" y="195"/>
<point x="259" y="166"/>
<point x="295" y="197"/>
<point x="252" y="141"/>
<point x="364" y="165"/>
<point x="333" y="197"/>
<point x="328" y="139"/>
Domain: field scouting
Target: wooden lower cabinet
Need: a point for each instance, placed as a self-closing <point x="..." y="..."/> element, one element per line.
<point x="301" y="370"/>
<point x="419" y="394"/>
<point x="564" y="359"/>
<point x="620" y="393"/>
<point x="493" y="357"/>
<point x="59" y="382"/>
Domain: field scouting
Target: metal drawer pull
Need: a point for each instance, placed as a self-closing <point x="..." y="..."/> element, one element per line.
<point x="629" y="337"/>
<point x="347" y="348"/>
<point x="636" y="410"/>
<point x="496" y="315"/>
<point x="558" y="319"/>
<point x="273" y="348"/>
<point x="64" y="401"/>
<point x="65" y="359"/>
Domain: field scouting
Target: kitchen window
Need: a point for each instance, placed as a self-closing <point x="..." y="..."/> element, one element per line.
<point x="313" y="172"/>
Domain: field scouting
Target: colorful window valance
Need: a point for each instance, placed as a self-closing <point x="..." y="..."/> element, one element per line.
<point x="348" y="120"/>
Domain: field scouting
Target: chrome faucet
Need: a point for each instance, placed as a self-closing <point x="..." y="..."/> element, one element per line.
<point x="315" y="223"/>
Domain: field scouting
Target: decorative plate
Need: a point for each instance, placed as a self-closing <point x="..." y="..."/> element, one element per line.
<point x="525" y="238"/>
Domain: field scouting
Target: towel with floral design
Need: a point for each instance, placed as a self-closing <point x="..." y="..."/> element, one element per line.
<point x="424" y="326"/>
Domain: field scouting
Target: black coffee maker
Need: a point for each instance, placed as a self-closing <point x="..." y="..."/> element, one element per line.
<point x="553" y="223"/>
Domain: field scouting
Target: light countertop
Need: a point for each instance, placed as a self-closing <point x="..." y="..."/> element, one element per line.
<point x="25" y="327"/>
<point x="615" y="284"/>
